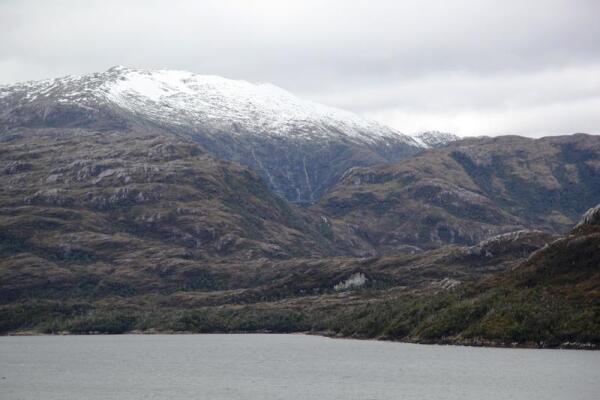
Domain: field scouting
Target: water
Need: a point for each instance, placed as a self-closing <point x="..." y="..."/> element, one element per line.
<point x="291" y="367"/>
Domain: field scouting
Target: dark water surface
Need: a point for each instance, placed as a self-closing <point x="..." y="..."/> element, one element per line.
<point x="265" y="367"/>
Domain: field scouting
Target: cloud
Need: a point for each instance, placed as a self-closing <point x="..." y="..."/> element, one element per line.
<point x="479" y="66"/>
<point x="496" y="103"/>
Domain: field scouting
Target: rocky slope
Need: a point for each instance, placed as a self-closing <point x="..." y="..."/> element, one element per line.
<point x="467" y="191"/>
<point x="298" y="147"/>
<point x="74" y="200"/>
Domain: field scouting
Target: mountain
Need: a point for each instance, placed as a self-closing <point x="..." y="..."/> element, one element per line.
<point x="163" y="201"/>
<point x="300" y="148"/>
<point x="466" y="192"/>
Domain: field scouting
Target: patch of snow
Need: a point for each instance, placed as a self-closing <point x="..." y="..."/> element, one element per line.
<point x="432" y="139"/>
<point x="186" y="98"/>
<point x="354" y="281"/>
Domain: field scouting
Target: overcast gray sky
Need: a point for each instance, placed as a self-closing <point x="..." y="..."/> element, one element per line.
<point x="529" y="67"/>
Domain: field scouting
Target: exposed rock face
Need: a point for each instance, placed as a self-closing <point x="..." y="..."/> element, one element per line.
<point x="298" y="147"/>
<point x="591" y="217"/>
<point x="469" y="191"/>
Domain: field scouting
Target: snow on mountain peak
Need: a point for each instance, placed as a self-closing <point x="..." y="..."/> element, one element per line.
<point x="185" y="98"/>
<point x="208" y="103"/>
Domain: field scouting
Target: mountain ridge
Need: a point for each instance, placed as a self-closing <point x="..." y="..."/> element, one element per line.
<point x="184" y="98"/>
<point x="300" y="148"/>
<point x="469" y="190"/>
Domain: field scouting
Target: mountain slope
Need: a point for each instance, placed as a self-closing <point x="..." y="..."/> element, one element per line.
<point x="468" y="191"/>
<point x="300" y="148"/>
<point x="137" y="205"/>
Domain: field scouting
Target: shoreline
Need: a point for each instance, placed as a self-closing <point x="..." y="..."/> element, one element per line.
<point x="331" y="335"/>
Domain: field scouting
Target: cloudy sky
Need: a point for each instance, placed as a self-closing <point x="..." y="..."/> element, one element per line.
<point x="469" y="66"/>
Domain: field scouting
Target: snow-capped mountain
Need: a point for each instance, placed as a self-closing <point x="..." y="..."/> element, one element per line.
<point x="299" y="147"/>
<point x="186" y="99"/>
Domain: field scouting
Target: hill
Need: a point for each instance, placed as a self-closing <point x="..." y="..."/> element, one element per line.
<point x="468" y="191"/>
<point x="550" y="299"/>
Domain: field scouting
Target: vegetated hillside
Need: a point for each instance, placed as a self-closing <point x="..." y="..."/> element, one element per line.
<point x="299" y="148"/>
<point x="80" y="209"/>
<point x="257" y="295"/>
<point x="468" y="191"/>
<point x="550" y="299"/>
<point x="525" y="288"/>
